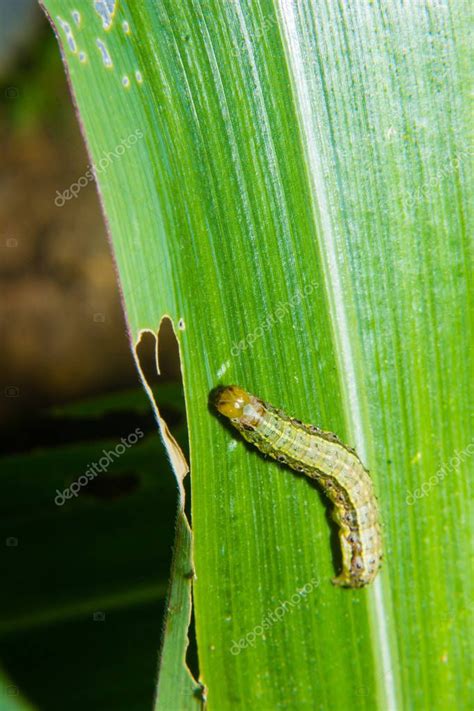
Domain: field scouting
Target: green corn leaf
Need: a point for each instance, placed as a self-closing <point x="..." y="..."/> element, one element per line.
<point x="286" y="182"/>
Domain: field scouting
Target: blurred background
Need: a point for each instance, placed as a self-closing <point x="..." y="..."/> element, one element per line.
<point x="84" y="583"/>
<point x="63" y="330"/>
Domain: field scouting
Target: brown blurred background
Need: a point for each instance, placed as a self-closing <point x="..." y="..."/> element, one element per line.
<point x="63" y="332"/>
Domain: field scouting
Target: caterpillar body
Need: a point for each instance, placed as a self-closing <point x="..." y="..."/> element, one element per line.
<point x="323" y="457"/>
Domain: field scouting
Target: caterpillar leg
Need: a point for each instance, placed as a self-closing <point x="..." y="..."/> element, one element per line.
<point x="345" y="578"/>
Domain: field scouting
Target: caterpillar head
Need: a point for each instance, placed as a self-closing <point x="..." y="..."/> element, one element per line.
<point x="243" y="409"/>
<point x="231" y="401"/>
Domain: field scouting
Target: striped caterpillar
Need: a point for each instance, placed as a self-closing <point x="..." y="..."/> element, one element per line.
<point x="320" y="456"/>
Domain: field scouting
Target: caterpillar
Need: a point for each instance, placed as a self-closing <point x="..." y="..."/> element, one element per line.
<point x="323" y="457"/>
